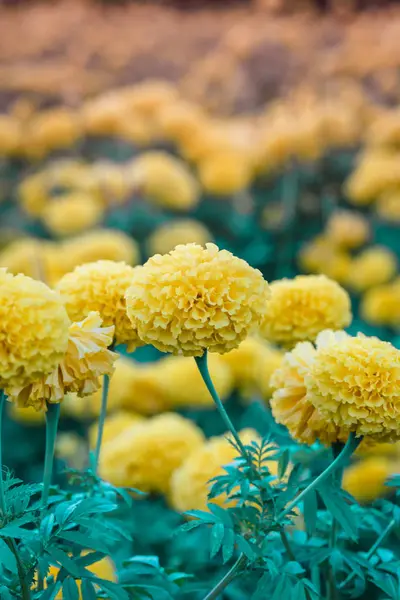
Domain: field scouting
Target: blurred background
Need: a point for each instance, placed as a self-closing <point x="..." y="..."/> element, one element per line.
<point x="271" y="127"/>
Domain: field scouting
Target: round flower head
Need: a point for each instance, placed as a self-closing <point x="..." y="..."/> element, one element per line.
<point x="299" y="308"/>
<point x="365" y="480"/>
<point x="184" y="231"/>
<point x="290" y="404"/>
<point x="79" y="371"/>
<point x="194" y="299"/>
<point x="114" y="425"/>
<point x="100" y="286"/>
<point x="354" y="382"/>
<point x="33" y="329"/>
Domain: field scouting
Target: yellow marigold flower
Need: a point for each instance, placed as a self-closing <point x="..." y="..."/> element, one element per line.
<point x="365" y="480"/>
<point x="164" y="180"/>
<point x="347" y="229"/>
<point x="149" y="97"/>
<point x="104" y="569"/>
<point x="181" y="121"/>
<point x="33" y="329"/>
<point x="370" y="447"/>
<point x="33" y="194"/>
<point x="290" y="403"/>
<point x="377" y="171"/>
<point x="380" y="305"/>
<point x="184" y="385"/>
<point x="388" y="206"/>
<point x="114" y="425"/>
<point x="29" y="256"/>
<point x="252" y="365"/>
<point x="194" y="299"/>
<point x="190" y="483"/>
<point x="225" y="173"/>
<point x="10" y="136"/>
<point x="100" y="244"/>
<point x="26" y="415"/>
<point x="72" y="213"/>
<point x="354" y="382"/>
<point x="171" y="234"/>
<point x="372" y="267"/>
<point x="85" y="361"/>
<point x="100" y="286"/>
<point x="321" y="256"/>
<point x="50" y="130"/>
<point x="298" y="309"/>
<point x="146" y="455"/>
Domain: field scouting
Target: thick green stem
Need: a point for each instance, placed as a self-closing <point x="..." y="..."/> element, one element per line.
<point x="103" y="414"/>
<point x="337" y="478"/>
<point x="25" y="591"/>
<point x="2" y="494"/>
<point x="350" y="447"/>
<point x="226" y="580"/>
<point x="52" y="416"/>
<point x="204" y="372"/>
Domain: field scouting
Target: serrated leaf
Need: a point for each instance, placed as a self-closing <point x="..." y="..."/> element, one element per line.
<point x="70" y="589"/>
<point x="217" y="535"/>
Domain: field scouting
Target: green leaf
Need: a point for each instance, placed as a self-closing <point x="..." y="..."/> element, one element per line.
<point x="310" y="510"/>
<point x="84" y="541"/>
<point x="88" y="590"/>
<point x="222" y="514"/>
<point x="7" y="558"/>
<point x="113" y="590"/>
<point x="70" y="589"/>
<point x="339" y="510"/>
<point x="65" y="561"/>
<point x="294" y="568"/>
<point x="202" y="516"/>
<point x="228" y="545"/>
<point x="283" y="463"/>
<point x="246" y="548"/>
<point x="217" y="535"/>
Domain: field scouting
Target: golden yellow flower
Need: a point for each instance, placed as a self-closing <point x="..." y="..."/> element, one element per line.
<point x="10" y="136"/>
<point x="365" y="480"/>
<point x="100" y="286"/>
<point x="33" y="194"/>
<point x="388" y="206"/>
<point x="171" y="234"/>
<point x="104" y="569"/>
<point x="181" y="121"/>
<point x="372" y="267"/>
<point x="146" y="455"/>
<point x="290" y="403"/>
<point x="114" y="425"/>
<point x="190" y="483"/>
<point x="50" y="130"/>
<point x="33" y="329"/>
<point x="72" y="213"/>
<point x="354" y="382"/>
<point x="377" y="170"/>
<point x="347" y="229"/>
<point x="184" y="386"/>
<point x="370" y="447"/>
<point x="225" y="173"/>
<point x="32" y="257"/>
<point x="298" y="309"/>
<point x="164" y="180"/>
<point x="380" y="305"/>
<point x="85" y="361"/>
<point x="323" y="257"/>
<point x="194" y="299"/>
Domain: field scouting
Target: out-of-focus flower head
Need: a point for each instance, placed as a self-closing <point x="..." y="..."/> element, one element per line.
<point x="11" y="136"/>
<point x="298" y="309"/>
<point x="100" y="286"/>
<point x="323" y="257"/>
<point x="374" y="266"/>
<point x="164" y="180"/>
<point x="177" y="232"/>
<point x="225" y="173"/>
<point x="114" y="425"/>
<point x="388" y="206"/>
<point x="365" y="480"/>
<point x="72" y="213"/>
<point x="87" y="359"/>
<point x="194" y="299"/>
<point x="146" y="455"/>
<point x="26" y="415"/>
<point x="35" y="258"/>
<point x="33" y="194"/>
<point x="146" y="392"/>
<point x="377" y="170"/>
<point x="50" y="130"/>
<point x="347" y="229"/>
<point x="380" y="305"/>
<point x="354" y="382"/>
<point x="290" y="403"/>
<point x="33" y="329"/>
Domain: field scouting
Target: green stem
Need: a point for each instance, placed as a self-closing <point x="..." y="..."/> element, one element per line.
<point x="372" y="550"/>
<point x="226" y="580"/>
<point x="350" y="447"/>
<point x="2" y="494"/>
<point x="286" y="543"/>
<point x="52" y="416"/>
<point x="25" y="591"/>
<point x="337" y="478"/>
<point x="204" y="372"/>
<point x="103" y="414"/>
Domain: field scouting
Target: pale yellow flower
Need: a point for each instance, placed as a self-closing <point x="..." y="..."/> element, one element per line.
<point x="171" y="234"/>
<point x="380" y="305"/>
<point x="365" y="480"/>
<point x="347" y="229"/>
<point x="72" y="213"/>
<point x="374" y="266"/>
<point x="114" y="425"/>
<point x="194" y="299"/>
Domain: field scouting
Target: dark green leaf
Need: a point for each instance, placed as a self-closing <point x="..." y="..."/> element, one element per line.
<point x="283" y="463"/>
<point x="246" y="548"/>
<point x="217" y="535"/>
<point x="70" y="589"/>
<point x="228" y="545"/>
<point x="65" y="561"/>
<point x="88" y="590"/>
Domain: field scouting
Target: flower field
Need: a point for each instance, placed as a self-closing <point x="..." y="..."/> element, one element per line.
<point x="200" y="345"/>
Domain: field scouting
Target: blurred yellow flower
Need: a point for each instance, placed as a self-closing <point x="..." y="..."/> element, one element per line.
<point x="298" y="309"/>
<point x="33" y="194"/>
<point x="87" y="359"/>
<point x="10" y="136"/>
<point x="72" y="213"/>
<point x="174" y="233"/>
<point x="225" y="173"/>
<point x="51" y="129"/>
<point x="100" y="286"/>
<point x="146" y="455"/>
<point x="365" y="480"/>
<point x="194" y="299"/>
<point x="114" y="425"/>
<point x="181" y="121"/>
<point x="388" y="206"/>
<point x="33" y="329"/>
<point x="164" y="180"/>
<point x="145" y="391"/>
<point x="377" y="170"/>
<point x="347" y="229"/>
<point x="26" y="415"/>
<point x="354" y="382"/>
<point x="32" y="257"/>
<point x="71" y="448"/>
<point x="380" y="305"/>
<point x="321" y="256"/>
<point x="290" y="403"/>
<point x="373" y="266"/>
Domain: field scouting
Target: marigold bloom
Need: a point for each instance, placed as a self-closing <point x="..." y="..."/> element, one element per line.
<point x="72" y="213"/>
<point x="365" y="480"/>
<point x="290" y="403"/>
<point x="377" y="171"/>
<point x="388" y="207"/>
<point x="323" y="257"/>
<point x="114" y="425"/>
<point x="225" y="173"/>
<point x="194" y="299"/>
<point x="33" y="329"/>
<point x="380" y="305"/>
<point x="347" y="229"/>
<point x="85" y="361"/>
<point x="32" y="257"/>
<point x="100" y="286"/>
<point x="298" y="309"/>
<point x="374" y="266"/>
<point x="146" y="455"/>
<point x="171" y="234"/>
<point x="190" y="483"/>
<point x="51" y="129"/>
